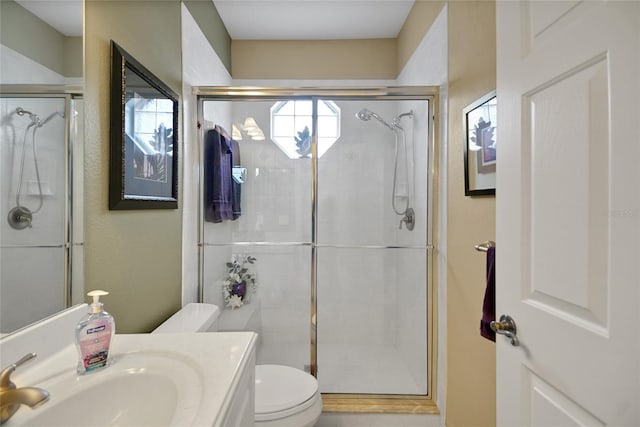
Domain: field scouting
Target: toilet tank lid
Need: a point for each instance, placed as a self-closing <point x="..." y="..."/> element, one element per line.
<point x="193" y="317"/>
<point x="279" y="388"/>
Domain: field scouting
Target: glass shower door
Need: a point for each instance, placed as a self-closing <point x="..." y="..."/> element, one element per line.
<point x="371" y="269"/>
<point x="273" y="226"/>
<point x="341" y="261"/>
<point x="33" y="209"/>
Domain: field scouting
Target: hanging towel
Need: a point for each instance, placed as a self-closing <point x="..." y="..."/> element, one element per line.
<point x="217" y="177"/>
<point x="235" y="161"/>
<point x="489" y="303"/>
<point x="235" y="186"/>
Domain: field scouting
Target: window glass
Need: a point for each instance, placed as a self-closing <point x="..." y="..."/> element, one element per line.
<point x="291" y="126"/>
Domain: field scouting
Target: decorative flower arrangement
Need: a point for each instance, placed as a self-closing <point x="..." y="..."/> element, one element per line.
<point x="239" y="283"/>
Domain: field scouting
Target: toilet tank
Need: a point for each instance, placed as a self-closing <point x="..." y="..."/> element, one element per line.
<point x="193" y="317"/>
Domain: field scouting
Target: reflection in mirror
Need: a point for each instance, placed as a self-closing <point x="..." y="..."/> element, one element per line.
<point x="41" y="160"/>
<point x="144" y="123"/>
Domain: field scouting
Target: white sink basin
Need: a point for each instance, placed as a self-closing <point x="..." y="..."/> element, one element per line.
<point x="153" y="380"/>
<point x="139" y="389"/>
<point x="125" y="404"/>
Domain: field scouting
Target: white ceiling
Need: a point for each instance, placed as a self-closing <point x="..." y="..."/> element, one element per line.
<point x="313" y="19"/>
<point x="63" y="15"/>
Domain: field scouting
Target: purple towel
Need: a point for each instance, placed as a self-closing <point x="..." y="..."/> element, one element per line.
<point x="217" y="177"/>
<point x="236" y="191"/>
<point x="489" y="303"/>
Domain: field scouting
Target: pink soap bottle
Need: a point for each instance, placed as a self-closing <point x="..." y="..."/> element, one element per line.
<point x="94" y="334"/>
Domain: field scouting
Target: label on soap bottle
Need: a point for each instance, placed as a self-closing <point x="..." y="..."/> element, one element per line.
<point x="94" y="345"/>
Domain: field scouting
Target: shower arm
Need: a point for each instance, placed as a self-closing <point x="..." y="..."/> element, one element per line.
<point x="396" y="121"/>
<point x="51" y="116"/>
<point x="381" y="120"/>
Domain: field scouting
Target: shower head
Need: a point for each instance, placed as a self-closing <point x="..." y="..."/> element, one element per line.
<point x="365" y="115"/>
<point x="35" y="119"/>
<point x="21" y="111"/>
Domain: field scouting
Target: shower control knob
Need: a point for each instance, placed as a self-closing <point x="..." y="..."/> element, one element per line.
<point x="20" y="218"/>
<point x="409" y="219"/>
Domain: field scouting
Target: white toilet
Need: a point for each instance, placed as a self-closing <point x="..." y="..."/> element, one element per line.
<point x="284" y="397"/>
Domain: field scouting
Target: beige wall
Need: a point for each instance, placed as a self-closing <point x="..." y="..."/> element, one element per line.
<point x="470" y="358"/>
<point x="314" y="59"/>
<point x="135" y="255"/>
<point x="27" y="34"/>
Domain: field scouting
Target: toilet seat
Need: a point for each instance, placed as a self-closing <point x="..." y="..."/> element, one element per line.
<point x="282" y="391"/>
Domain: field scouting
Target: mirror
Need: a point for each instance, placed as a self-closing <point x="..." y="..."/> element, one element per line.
<point x="144" y="135"/>
<point x="41" y="159"/>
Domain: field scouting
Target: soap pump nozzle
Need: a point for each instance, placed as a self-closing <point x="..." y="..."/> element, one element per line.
<point x="96" y="306"/>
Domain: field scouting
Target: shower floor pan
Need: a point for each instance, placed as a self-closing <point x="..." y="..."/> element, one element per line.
<point x="354" y="369"/>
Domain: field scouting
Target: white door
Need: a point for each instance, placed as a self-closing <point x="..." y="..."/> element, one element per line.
<point x="568" y="212"/>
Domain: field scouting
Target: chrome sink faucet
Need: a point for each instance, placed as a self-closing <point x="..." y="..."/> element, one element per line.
<point x="11" y="397"/>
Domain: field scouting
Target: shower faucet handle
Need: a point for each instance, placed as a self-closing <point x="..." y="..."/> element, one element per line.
<point x="20" y="218"/>
<point x="409" y="219"/>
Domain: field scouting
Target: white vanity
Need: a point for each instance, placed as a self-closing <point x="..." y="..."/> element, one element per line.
<point x="190" y="379"/>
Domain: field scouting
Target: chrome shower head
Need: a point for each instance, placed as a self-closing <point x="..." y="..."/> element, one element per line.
<point x="365" y="115"/>
<point x="21" y="112"/>
<point x="35" y="119"/>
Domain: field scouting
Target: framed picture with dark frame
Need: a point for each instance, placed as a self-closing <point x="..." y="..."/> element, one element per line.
<point x="480" y="124"/>
<point x="144" y="137"/>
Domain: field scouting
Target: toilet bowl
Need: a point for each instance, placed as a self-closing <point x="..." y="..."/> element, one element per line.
<point x="284" y="396"/>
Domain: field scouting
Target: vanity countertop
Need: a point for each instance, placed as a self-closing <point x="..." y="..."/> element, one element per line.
<point x="202" y="370"/>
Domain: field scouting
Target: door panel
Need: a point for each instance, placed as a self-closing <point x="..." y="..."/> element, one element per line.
<point x="550" y="407"/>
<point x="566" y="141"/>
<point x="568" y="212"/>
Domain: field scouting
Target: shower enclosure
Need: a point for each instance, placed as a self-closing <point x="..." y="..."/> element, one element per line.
<point x="38" y="132"/>
<point x="335" y="205"/>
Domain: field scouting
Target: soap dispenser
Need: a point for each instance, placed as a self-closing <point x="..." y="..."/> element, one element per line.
<point x="93" y="335"/>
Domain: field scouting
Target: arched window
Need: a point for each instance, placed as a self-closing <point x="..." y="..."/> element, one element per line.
<point x="291" y="123"/>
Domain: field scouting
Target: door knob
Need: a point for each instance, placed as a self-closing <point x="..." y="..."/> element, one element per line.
<point x="507" y="327"/>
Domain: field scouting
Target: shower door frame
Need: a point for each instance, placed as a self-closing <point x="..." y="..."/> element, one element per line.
<point x="343" y="402"/>
<point x="69" y="93"/>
